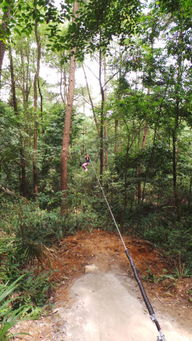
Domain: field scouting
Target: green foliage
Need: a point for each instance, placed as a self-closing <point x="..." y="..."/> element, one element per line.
<point x="30" y="224"/>
<point x="9" y="134"/>
<point x="40" y="226"/>
<point x="32" y="290"/>
<point x="150" y="277"/>
<point x="82" y="219"/>
<point x="22" y="244"/>
<point x="162" y="229"/>
<point x="94" y="19"/>
<point x="22" y="298"/>
<point x="8" y="315"/>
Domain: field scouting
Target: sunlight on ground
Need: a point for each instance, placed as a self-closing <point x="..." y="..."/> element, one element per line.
<point x="104" y="310"/>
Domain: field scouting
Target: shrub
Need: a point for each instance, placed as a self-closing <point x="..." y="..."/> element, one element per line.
<point x="174" y="237"/>
<point x="8" y="315"/>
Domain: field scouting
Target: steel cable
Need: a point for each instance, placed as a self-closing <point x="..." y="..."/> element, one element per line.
<point x="148" y="304"/>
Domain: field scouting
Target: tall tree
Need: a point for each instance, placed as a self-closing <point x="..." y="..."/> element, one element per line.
<point x="67" y="122"/>
<point x="35" y="103"/>
<point x="4" y="18"/>
<point x="102" y="114"/>
<point x="14" y="102"/>
<point x="2" y="52"/>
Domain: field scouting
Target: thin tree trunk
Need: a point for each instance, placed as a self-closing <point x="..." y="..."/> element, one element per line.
<point x="190" y="192"/>
<point x="174" y="155"/>
<point x="105" y="126"/>
<point x="177" y="114"/>
<point x="138" y="175"/>
<point x="140" y="195"/>
<point x="25" y="78"/>
<point x="25" y="96"/>
<point x="3" y="29"/>
<point x="2" y="53"/>
<point x="22" y="175"/>
<point x="67" y="124"/>
<point x="63" y="84"/>
<point x="125" y="201"/>
<point x="106" y="148"/>
<point x="116" y="136"/>
<point x="102" y="118"/>
<point x="41" y="97"/>
<point x="35" y="107"/>
<point x="143" y="143"/>
<point x="91" y="101"/>
<point x="23" y="180"/>
<point x="13" y="91"/>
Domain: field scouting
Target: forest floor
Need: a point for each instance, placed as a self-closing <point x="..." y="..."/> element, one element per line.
<point x="168" y="296"/>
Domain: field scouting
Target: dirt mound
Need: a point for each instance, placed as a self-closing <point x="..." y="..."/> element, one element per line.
<point x="104" y="249"/>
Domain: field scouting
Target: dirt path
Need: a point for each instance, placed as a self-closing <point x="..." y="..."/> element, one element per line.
<point x="81" y="304"/>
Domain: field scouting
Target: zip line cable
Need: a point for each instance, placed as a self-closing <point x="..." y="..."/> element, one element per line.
<point x="150" y="309"/>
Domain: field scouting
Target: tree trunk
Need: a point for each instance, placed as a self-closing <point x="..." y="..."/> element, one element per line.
<point x="177" y="115"/>
<point x="106" y="148"/>
<point x="125" y="199"/>
<point x="116" y="137"/>
<point x="105" y="126"/>
<point x="26" y="79"/>
<point x="63" y="83"/>
<point x="190" y="192"/>
<point x="138" y="175"/>
<point x="13" y="90"/>
<point x="144" y="141"/>
<point x="174" y="155"/>
<point x="67" y="125"/>
<point x="2" y="52"/>
<point x="102" y="117"/>
<point x="35" y="107"/>
<point x="22" y="171"/>
<point x="23" y="180"/>
<point x="26" y="86"/>
<point x="91" y="102"/>
<point x="3" y="29"/>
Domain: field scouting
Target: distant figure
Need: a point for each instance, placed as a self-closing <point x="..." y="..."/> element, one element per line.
<point x="87" y="161"/>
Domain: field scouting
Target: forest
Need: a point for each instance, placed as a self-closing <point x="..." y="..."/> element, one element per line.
<point x="111" y="79"/>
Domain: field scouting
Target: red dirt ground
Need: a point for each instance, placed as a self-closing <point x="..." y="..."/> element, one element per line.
<point x="105" y="250"/>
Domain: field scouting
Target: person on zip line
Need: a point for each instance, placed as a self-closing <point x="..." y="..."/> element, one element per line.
<point x="87" y="161"/>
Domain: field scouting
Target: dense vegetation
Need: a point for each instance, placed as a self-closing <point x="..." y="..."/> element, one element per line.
<point x="137" y="129"/>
